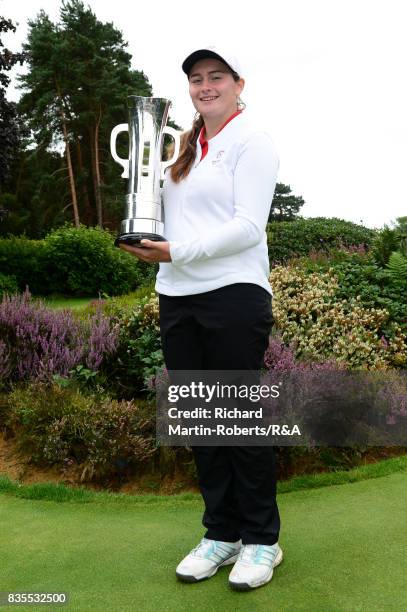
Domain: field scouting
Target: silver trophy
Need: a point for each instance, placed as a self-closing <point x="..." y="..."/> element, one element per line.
<point x="147" y="125"/>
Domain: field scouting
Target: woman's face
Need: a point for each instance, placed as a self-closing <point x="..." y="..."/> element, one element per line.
<point x="213" y="89"/>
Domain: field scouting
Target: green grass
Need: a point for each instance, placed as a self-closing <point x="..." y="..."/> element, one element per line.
<point x="344" y="548"/>
<point x="63" y="302"/>
<point x="60" y="301"/>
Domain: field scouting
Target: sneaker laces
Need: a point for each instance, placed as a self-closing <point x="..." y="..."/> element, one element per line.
<point x="204" y="548"/>
<point x="255" y="553"/>
<point x="248" y="553"/>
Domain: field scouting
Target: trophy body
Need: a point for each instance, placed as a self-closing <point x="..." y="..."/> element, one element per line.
<point x="144" y="169"/>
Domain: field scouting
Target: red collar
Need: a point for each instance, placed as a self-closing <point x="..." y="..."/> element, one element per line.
<point x="202" y="134"/>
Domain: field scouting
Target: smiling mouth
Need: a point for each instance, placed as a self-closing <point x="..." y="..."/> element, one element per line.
<point x="209" y="98"/>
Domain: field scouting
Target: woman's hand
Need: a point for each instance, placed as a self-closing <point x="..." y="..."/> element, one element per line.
<point x="151" y="252"/>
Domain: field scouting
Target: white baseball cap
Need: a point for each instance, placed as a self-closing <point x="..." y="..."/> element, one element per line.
<point x="223" y="55"/>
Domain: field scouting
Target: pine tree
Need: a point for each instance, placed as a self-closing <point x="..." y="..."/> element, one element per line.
<point x="79" y="78"/>
<point x="285" y="206"/>
<point x="9" y="127"/>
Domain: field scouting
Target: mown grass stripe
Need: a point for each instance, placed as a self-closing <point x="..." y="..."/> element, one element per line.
<point x="62" y="493"/>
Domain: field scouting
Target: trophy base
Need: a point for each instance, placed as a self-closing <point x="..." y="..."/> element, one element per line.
<point x="134" y="238"/>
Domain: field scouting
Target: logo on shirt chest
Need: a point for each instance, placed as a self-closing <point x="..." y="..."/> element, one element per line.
<point x="218" y="158"/>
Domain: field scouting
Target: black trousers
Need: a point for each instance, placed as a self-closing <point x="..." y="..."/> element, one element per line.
<point x="226" y="329"/>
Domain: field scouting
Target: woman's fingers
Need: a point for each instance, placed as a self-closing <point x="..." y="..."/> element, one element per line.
<point x="150" y="252"/>
<point x="130" y="248"/>
<point x="156" y="251"/>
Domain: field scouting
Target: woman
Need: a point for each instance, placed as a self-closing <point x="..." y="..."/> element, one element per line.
<point x="215" y="305"/>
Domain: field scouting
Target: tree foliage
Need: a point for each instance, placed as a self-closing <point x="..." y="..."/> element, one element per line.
<point x="79" y="76"/>
<point x="285" y="206"/>
<point x="400" y="227"/>
<point x="9" y="127"/>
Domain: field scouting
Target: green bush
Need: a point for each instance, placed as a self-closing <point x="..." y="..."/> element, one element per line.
<point x="22" y="258"/>
<point x="8" y="284"/>
<point x="359" y="276"/>
<point x="84" y="261"/>
<point x="384" y="244"/>
<point x="397" y="266"/>
<point x="289" y="239"/>
<point x="74" y="262"/>
<point x="56" y="426"/>
<point x="139" y="355"/>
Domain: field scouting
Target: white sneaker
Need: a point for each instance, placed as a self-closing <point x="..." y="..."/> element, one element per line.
<point x="254" y="566"/>
<point x="204" y="560"/>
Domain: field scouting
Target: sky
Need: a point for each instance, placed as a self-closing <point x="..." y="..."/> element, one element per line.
<point x="328" y="76"/>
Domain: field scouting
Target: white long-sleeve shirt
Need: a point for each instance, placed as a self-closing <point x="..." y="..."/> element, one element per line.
<point x="215" y="218"/>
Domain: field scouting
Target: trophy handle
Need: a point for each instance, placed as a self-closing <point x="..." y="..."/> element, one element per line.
<point x="176" y="136"/>
<point x="122" y="127"/>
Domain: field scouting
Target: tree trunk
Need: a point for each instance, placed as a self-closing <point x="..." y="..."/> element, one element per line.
<point x="71" y="177"/>
<point x="69" y="161"/>
<point x="84" y="187"/>
<point x="92" y="163"/>
<point x="98" y="182"/>
<point x="19" y="176"/>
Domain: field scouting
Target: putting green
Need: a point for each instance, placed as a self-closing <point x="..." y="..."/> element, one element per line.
<point x="344" y="547"/>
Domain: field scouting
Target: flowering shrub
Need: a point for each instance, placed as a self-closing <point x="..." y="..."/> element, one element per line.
<point x="139" y="354"/>
<point x="158" y="380"/>
<point x="144" y="344"/>
<point x="63" y="426"/>
<point x="308" y="312"/>
<point x="336" y="400"/>
<point x="37" y="342"/>
<point x="147" y="313"/>
<point x="281" y="359"/>
<point x="359" y="275"/>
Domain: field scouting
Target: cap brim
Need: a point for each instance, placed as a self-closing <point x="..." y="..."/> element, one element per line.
<point x="198" y="55"/>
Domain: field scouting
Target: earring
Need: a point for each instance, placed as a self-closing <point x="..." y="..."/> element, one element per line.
<point x="240" y="104"/>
